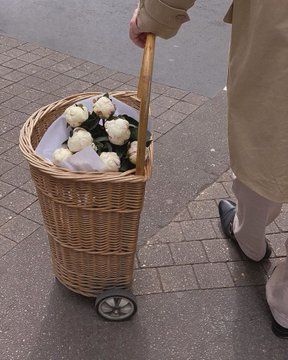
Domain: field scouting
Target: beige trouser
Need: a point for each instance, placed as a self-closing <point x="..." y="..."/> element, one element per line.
<point x="254" y="213"/>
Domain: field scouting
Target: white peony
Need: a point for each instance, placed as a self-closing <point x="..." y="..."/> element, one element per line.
<point x="104" y="107"/>
<point x="60" y="155"/>
<point x="132" y="152"/>
<point x="111" y="160"/>
<point x="80" y="139"/>
<point x="118" y="131"/>
<point x="75" y="115"/>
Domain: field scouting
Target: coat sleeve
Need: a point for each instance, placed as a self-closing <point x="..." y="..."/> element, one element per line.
<point x="163" y="17"/>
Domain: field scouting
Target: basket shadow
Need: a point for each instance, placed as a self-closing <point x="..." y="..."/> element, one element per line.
<point x="71" y="330"/>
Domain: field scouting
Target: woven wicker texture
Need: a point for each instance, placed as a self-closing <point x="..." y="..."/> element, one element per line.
<point x="91" y="218"/>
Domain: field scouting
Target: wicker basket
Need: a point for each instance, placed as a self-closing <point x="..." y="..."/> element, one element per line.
<point x="91" y="219"/>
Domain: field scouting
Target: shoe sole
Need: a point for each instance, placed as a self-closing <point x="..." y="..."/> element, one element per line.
<point x="283" y="334"/>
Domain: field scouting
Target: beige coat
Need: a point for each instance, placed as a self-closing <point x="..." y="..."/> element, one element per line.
<point x="257" y="86"/>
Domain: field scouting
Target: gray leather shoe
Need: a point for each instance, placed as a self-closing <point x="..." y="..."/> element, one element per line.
<point x="227" y="211"/>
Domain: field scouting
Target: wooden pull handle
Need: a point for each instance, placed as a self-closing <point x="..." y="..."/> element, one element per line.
<point x="143" y="93"/>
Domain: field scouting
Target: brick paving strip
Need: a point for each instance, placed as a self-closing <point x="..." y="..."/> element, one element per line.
<point x="192" y="253"/>
<point x="189" y="253"/>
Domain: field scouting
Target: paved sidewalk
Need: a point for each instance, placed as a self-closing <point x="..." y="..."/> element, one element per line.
<point x="32" y="76"/>
<point x="198" y="297"/>
<point x="192" y="252"/>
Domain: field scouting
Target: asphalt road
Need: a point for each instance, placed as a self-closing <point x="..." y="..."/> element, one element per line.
<point x="97" y="30"/>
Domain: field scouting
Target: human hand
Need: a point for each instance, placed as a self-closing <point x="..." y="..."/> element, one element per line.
<point x="138" y="37"/>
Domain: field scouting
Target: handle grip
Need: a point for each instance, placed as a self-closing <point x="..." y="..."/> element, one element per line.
<point x="143" y="93"/>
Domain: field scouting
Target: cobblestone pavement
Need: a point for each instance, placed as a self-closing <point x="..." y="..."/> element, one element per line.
<point x="32" y="76"/>
<point x="185" y="258"/>
<point x="192" y="252"/>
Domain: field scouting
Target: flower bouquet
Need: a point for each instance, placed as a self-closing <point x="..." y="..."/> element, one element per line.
<point x="97" y="134"/>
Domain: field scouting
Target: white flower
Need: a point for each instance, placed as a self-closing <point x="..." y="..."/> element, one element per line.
<point x="111" y="160"/>
<point x="75" y="115"/>
<point x="60" y="155"/>
<point x="118" y="131"/>
<point x="104" y="107"/>
<point x="80" y="139"/>
<point x="132" y="152"/>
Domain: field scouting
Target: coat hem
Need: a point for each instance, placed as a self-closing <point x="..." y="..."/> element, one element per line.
<point x="272" y="196"/>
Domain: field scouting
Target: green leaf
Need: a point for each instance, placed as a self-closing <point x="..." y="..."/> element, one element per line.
<point x="121" y="151"/>
<point x="129" y="119"/>
<point x="98" y="144"/>
<point x="109" y="146"/>
<point x="91" y="123"/>
<point x="101" y="138"/>
<point x="126" y="165"/>
<point x="98" y="131"/>
<point x="106" y="95"/>
<point x="103" y="146"/>
<point x="148" y="143"/>
<point x="133" y="124"/>
<point x="134" y="134"/>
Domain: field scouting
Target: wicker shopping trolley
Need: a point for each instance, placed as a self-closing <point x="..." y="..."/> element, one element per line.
<point x="92" y="218"/>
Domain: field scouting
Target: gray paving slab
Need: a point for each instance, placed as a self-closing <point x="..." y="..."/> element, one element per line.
<point x="177" y="278"/>
<point x="213" y="275"/>
<point x="272" y="228"/>
<point x="5" y="189"/>
<point x="185" y="61"/>
<point x="17" y="200"/>
<point x="215" y="191"/>
<point x="278" y="243"/>
<point x="12" y="136"/>
<point x="5" y="215"/>
<point x="170" y="233"/>
<point x="221" y="250"/>
<point x="13" y="155"/>
<point x="146" y="281"/>
<point x="184" y="107"/>
<point x="203" y="209"/>
<point x="155" y="255"/>
<point x="43" y="320"/>
<point x="16" y="176"/>
<point x="4" y="145"/>
<point x="247" y="273"/>
<point x="188" y="252"/>
<point x="18" y="228"/>
<point x="198" y="229"/>
<point x="6" y="127"/>
<point x="29" y="187"/>
<point x="281" y="221"/>
<point x="184" y="164"/>
<point x="5" y="245"/>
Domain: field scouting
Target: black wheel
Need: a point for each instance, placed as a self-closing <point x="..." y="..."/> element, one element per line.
<point x="116" y="305"/>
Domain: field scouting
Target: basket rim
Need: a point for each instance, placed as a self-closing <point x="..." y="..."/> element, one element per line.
<point x="25" y="144"/>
